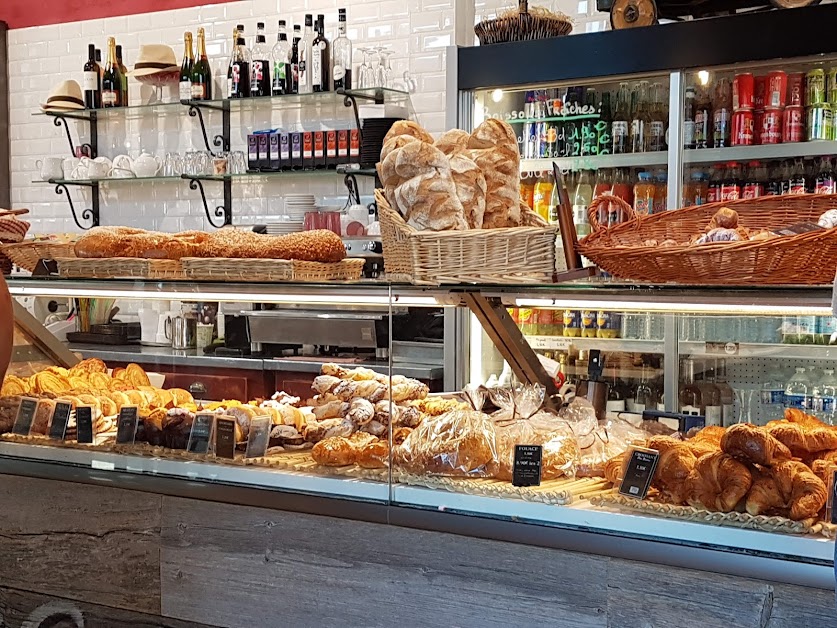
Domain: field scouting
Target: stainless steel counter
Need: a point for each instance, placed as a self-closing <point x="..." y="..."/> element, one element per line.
<point x="165" y="356"/>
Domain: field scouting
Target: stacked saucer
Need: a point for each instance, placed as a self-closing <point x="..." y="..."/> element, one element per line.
<point x="283" y="225"/>
<point x="373" y="131"/>
<point x="296" y="205"/>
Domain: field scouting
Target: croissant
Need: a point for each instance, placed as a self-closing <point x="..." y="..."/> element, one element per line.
<point x="368" y="389"/>
<point x="823" y="469"/>
<point x="674" y="468"/>
<point x="711" y="434"/>
<point x="753" y="444"/>
<point x="718" y="482"/>
<point x="788" y="485"/>
<point x="614" y="469"/>
<point x="801" y="440"/>
<point x="794" y="415"/>
<point x="764" y="496"/>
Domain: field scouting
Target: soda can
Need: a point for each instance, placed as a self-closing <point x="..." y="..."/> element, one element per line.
<point x="777" y="89"/>
<point x="796" y="82"/>
<point x="743" y="87"/>
<point x="820" y="123"/>
<point x="832" y="85"/>
<point x="793" y="124"/>
<point x="758" y="125"/>
<point x="815" y="87"/>
<point x="743" y="127"/>
<point x="759" y="89"/>
<point x="771" y="128"/>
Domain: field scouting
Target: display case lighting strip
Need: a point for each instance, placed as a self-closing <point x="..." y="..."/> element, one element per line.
<point x="681" y="308"/>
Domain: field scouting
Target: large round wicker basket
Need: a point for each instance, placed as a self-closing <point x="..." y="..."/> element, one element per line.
<point x="522" y="26"/>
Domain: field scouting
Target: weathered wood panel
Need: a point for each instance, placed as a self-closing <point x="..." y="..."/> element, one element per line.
<point x="82" y="542"/>
<point x="800" y="607"/>
<point x="244" y="567"/>
<point x="22" y="608"/>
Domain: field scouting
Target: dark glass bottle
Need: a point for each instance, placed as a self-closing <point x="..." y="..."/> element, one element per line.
<point x="124" y="72"/>
<point x="321" y="58"/>
<point x="201" y="72"/>
<point x="185" y="90"/>
<point x="240" y="70"/>
<point x="112" y="79"/>
<point x="293" y="81"/>
<point x="92" y="80"/>
<point x="260" y="77"/>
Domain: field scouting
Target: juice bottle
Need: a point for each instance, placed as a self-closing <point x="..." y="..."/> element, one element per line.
<point x="644" y="194"/>
<point x="572" y="323"/>
<point x="713" y="190"/>
<point x="641" y="119"/>
<point x="656" y="128"/>
<point x="582" y="198"/>
<point x="589" y="324"/>
<point x="660" y="192"/>
<point x="543" y="195"/>
<point x="622" y="188"/>
<point x="527" y="190"/>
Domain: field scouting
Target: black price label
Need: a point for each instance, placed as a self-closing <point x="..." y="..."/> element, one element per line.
<point x="225" y="438"/>
<point x="639" y="472"/>
<point x="25" y="416"/>
<point x="832" y="493"/>
<point x="200" y="434"/>
<point x="126" y="427"/>
<point x="527" y="465"/>
<point x="258" y="438"/>
<point x="60" y="419"/>
<point x="84" y="424"/>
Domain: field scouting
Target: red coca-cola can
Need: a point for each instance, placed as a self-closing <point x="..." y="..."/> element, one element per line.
<point x="776" y="94"/>
<point x="771" y="127"/>
<point x="793" y="124"/>
<point x="796" y="87"/>
<point x="758" y="125"/>
<point x="743" y="87"/>
<point x="759" y="89"/>
<point x="743" y="128"/>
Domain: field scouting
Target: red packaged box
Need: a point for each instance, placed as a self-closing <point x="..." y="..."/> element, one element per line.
<point x="776" y="94"/>
<point x="793" y="124"/>
<point x="743" y="91"/>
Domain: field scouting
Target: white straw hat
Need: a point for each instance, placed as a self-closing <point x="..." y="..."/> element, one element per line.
<point x="154" y="58"/>
<point x="65" y="95"/>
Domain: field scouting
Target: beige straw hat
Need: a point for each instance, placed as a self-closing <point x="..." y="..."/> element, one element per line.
<point x="65" y="95"/>
<point x="154" y="58"/>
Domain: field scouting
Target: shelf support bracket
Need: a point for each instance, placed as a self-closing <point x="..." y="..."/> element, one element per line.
<point x="349" y="100"/>
<point x="62" y="121"/>
<point x="90" y="214"/>
<point x="221" y="141"/>
<point x="224" y="212"/>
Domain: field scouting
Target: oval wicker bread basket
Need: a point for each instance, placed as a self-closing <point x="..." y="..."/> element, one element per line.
<point x="27" y="254"/>
<point x="805" y="258"/>
<point x="522" y="26"/>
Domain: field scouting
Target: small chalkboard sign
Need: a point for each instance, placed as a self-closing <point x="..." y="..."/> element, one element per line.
<point x="527" y="465"/>
<point x="201" y="433"/>
<point x="258" y="437"/>
<point x="60" y="419"/>
<point x="225" y="438"/>
<point x="25" y="416"/>
<point x="84" y="424"/>
<point x="126" y="425"/>
<point x="639" y="472"/>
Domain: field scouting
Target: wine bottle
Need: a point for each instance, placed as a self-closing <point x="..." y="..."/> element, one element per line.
<point x="92" y="80"/>
<point x="260" y="79"/>
<point x="320" y="57"/>
<point x="201" y="72"/>
<point x="240" y="70"/>
<point x="185" y="91"/>
<point x="112" y="78"/>
<point x="124" y="72"/>
<point x="306" y="84"/>
<point x="100" y="64"/>
<point x="281" y="57"/>
<point x="239" y="28"/>
<point x="293" y="82"/>
<point x="341" y="55"/>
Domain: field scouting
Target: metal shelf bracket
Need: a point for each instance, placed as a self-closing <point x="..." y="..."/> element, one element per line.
<point x="221" y="141"/>
<point x="90" y="214"/>
<point x="224" y="212"/>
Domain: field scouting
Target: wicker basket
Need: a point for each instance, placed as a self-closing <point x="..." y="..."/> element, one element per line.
<point x="28" y="254"/>
<point x="119" y="268"/>
<point x="522" y="26"/>
<point x="511" y="255"/>
<point x="239" y="269"/>
<point x="806" y="258"/>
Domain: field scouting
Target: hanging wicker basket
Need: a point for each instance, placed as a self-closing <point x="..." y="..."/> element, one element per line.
<point x="523" y="25"/>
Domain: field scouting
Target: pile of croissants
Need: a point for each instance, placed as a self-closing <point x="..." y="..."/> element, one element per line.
<point x="779" y="469"/>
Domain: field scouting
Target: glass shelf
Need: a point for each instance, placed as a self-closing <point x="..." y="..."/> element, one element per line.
<point x="279" y="173"/>
<point x="130" y="112"/>
<point x="765" y="151"/>
<point x="594" y="162"/>
<point x="106" y="180"/>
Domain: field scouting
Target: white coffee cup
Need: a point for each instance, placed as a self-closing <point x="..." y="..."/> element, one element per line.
<point x="79" y="172"/>
<point x="69" y="165"/>
<point x="98" y="169"/>
<point x="50" y="167"/>
<point x="121" y="173"/>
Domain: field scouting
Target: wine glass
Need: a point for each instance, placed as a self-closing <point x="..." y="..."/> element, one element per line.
<point x="383" y="74"/>
<point x="364" y="69"/>
<point x="745" y="397"/>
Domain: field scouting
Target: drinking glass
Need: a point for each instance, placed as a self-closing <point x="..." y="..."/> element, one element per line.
<point x="383" y="73"/>
<point x="366" y="71"/>
<point x="172" y="165"/>
<point x="745" y="398"/>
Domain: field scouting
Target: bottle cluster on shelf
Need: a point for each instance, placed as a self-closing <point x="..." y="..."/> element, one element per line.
<point x="274" y="150"/>
<point x="703" y="390"/>
<point x="807" y="388"/>
<point x="588" y="323"/>
<point x="105" y="85"/>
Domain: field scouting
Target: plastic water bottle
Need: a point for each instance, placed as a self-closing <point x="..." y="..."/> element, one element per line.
<point x="828" y="393"/>
<point x="798" y="391"/>
<point x="773" y="394"/>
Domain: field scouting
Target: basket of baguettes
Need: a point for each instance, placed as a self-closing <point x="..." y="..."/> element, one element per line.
<point x="790" y="239"/>
<point x="224" y="255"/>
<point x="451" y="211"/>
<point x="523" y="23"/>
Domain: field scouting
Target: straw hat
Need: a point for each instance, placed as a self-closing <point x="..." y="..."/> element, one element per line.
<point x="65" y="95"/>
<point x="154" y="58"/>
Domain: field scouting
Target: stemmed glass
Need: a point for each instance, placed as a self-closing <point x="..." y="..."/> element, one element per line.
<point x="384" y="71"/>
<point x="365" y="71"/>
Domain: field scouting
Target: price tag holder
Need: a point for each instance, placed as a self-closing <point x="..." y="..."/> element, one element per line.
<point x="527" y="465"/>
<point x="25" y="416"/>
<point x="258" y="437"/>
<point x="639" y="472"/>
<point x="831" y="511"/>
<point x="225" y="438"/>
<point x="126" y="426"/>
<point x="60" y="419"/>
<point x="201" y="434"/>
<point x="84" y="424"/>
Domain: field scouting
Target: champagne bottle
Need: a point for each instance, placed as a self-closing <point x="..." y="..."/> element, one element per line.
<point x="92" y="80"/>
<point x="239" y="29"/>
<point x="112" y="79"/>
<point x="124" y="72"/>
<point x="185" y="91"/>
<point x="201" y="72"/>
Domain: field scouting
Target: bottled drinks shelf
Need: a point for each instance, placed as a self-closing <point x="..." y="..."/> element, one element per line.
<point x="594" y="162"/>
<point x="766" y="151"/>
<point x="562" y="343"/>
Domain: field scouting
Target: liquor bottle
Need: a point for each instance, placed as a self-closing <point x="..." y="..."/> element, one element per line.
<point x="644" y="397"/>
<point x="239" y="28"/>
<point x="711" y="397"/>
<point x="722" y="114"/>
<point x="581" y="201"/>
<point x="92" y="80"/>
<point x="798" y="180"/>
<point x="703" y="120"/>
<point x="341" y="55"/>
<point x="656" y="128"/>
<point x="689" y="118"/>
<point x="689" y="393"/>
<point x="295" y="61"/>
<point x="825" y="180"/>
<point x="621" y="122"/>
<point x="185" y="91"/>
<point x="112" y="79"/>
<point x="615" y="396"/>
<point x="640" y="119"/>
<point x="260" y="67"/>
<point x="727" y="393"/>
<point x="321" y="58"/>
<point x="240" y="70"/>
<point x="201" y="71"/>
<point x="124" y="72"/>
<point x="306" y="83"/>
<point x="281" y="57"/>
<point x="100" y="64"/>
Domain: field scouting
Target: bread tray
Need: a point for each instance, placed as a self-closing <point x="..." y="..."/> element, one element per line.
<point x="119" y="268"/>
<point x="243" y="269"/>
<point x="27" y="254"/>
